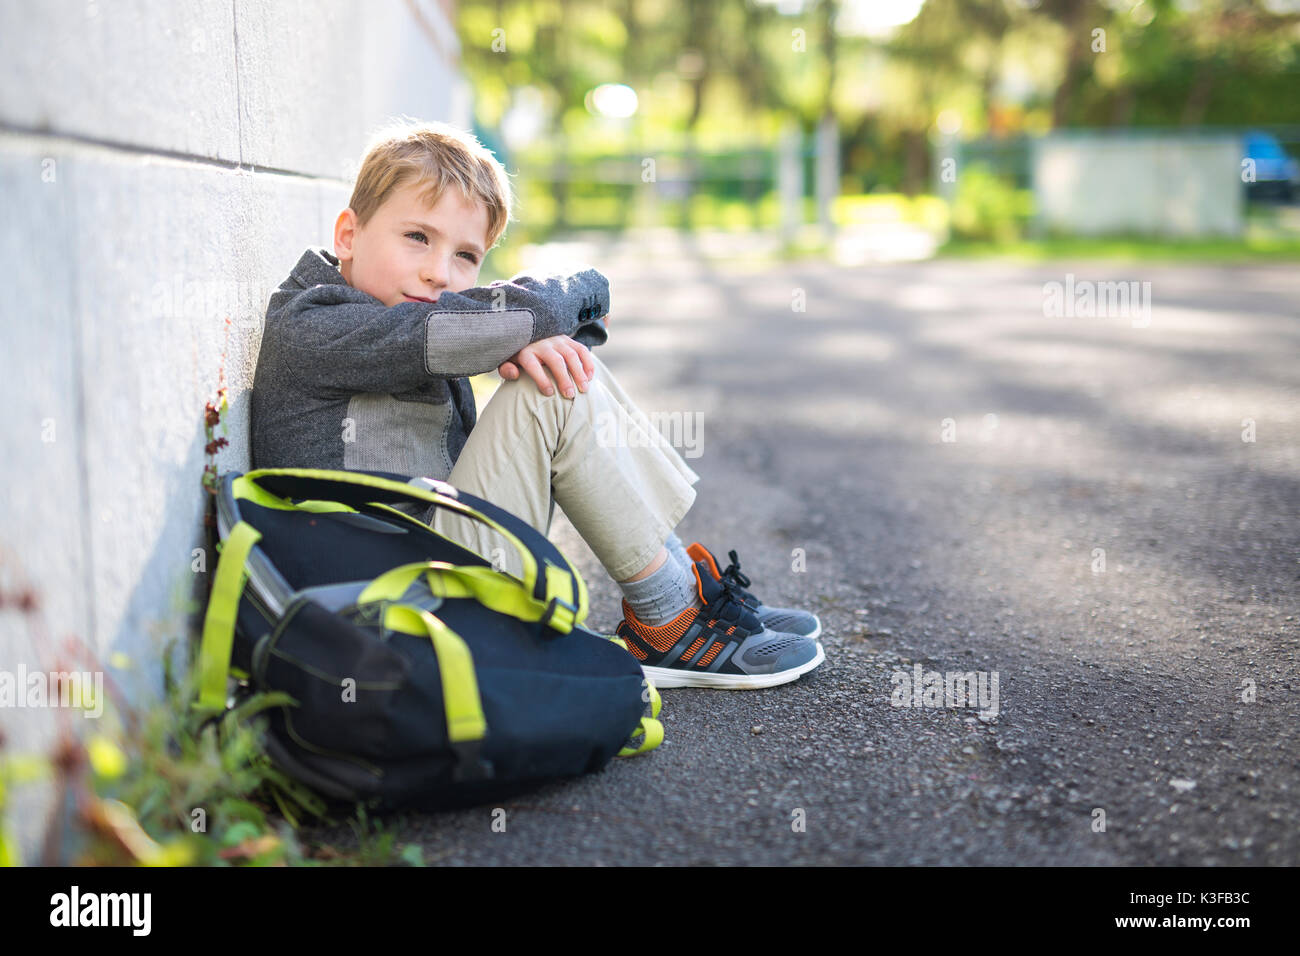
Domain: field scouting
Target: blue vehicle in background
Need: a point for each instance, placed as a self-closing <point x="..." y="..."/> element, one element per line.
<point x="1277" y="174"/>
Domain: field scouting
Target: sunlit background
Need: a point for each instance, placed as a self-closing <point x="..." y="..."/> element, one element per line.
<point x="898" y="128"/>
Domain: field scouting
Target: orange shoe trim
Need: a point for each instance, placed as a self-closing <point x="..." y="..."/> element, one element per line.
<point x="698" y="552"/>
<point x="707" y="659"/>
<point x="663" y="637"/>
<point x="693" y="649"/>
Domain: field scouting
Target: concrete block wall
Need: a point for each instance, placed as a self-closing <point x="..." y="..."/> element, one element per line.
<point x="162" y="167"/>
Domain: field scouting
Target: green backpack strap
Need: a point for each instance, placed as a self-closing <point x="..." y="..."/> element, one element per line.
<point x="466" y="724"/>
<point x="650" y="730"/>
<point x="219" y="621"/>
<point x="493" y="589"/>
<point x="547" y="574"/>
<point x="651" y="733"/>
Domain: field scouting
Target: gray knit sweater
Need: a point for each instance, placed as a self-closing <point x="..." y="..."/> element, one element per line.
<point x="344" y="381"/>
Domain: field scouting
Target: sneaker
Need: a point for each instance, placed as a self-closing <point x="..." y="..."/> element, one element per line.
<point x="721" y="645"/>
<point x="785" y="619"/>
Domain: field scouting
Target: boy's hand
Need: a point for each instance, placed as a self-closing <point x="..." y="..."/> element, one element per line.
<point x="567" y="360"/>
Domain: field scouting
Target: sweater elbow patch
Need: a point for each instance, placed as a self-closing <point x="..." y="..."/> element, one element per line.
<point x="457" y="343"/>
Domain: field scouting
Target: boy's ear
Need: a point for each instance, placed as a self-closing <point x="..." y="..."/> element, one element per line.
<point x="345" y="230"/>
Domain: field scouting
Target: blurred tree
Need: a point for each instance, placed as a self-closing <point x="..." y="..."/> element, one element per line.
<point x="710" y="73"/>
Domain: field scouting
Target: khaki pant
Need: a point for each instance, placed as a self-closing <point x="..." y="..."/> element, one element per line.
<point x="596" y="455"/>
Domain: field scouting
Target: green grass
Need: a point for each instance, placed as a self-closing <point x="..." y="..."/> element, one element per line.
<point x="537" y="215"/>
<point x="155" y="784"/>
<point x="1271" y="233"/>
<point x="1276" y="249"/>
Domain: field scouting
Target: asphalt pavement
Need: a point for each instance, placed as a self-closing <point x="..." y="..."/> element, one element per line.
<point x="1100" y="510"/>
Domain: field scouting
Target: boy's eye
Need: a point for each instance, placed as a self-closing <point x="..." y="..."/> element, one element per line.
<point x="421" y="237"/>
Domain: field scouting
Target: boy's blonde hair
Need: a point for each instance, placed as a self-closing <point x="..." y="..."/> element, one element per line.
<point x="438" y="156"/>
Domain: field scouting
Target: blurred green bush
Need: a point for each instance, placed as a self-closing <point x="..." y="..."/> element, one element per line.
<point x="990" y="208"/>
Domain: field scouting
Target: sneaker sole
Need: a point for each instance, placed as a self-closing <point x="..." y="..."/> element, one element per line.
<point x="665" y="677"/>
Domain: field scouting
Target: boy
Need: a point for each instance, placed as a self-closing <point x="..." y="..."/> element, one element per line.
<point x="364" y="365"/>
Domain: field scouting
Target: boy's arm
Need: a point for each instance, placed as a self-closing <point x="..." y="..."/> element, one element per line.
<point x="585" y="294"/>
<point x="337" y="337"/>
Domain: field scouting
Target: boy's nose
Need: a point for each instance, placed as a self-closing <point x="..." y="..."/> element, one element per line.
<point x="434" y="272"/>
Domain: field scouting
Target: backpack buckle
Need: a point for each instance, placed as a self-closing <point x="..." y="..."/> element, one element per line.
<point x="549" y="613"/>
<point x="434" y="484"/>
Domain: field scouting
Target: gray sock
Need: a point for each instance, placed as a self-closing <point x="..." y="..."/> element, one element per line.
<point x="678" y="551"/>
<point x="660" y="597"/>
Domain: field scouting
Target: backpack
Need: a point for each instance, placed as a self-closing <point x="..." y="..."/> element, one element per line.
<point x="421" y="676"/>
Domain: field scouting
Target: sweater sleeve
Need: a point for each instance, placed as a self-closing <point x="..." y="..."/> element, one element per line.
<point x="335" y="337"/>
<point x="591" y="334"/>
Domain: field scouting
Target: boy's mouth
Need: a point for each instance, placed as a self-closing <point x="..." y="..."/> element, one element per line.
<point x="418" y="298"/>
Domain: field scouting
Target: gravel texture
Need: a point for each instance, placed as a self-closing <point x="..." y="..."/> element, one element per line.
<point x="1124" y="691"/>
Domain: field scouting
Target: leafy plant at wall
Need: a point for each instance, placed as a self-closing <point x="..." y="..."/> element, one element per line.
<point x="213" y="411"/>
<point x="163" y="784"/>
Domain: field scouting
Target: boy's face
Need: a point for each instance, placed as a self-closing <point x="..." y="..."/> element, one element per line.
<point x="410" y="251"/>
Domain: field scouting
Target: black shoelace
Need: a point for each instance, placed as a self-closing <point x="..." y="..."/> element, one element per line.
<point x="736" y="582"/>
